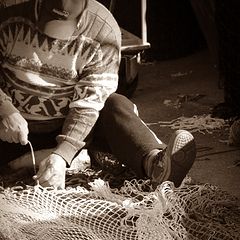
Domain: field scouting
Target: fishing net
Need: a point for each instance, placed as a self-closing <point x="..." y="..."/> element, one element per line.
<point x="197" y="123"/>
<point x="105" y="201"/>
<point x="93" y="209"/>
<point x="134" y="211"/>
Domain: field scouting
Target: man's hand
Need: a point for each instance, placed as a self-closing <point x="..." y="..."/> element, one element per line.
<point x="52" y="172"/>
<point x="14" y="128"/>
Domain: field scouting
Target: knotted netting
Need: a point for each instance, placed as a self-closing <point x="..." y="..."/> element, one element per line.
<point x="129" y="213"/>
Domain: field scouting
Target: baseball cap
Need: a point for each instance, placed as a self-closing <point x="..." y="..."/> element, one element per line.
<point x="59" y="18"/>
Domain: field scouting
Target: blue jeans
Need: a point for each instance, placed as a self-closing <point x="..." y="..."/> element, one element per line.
<point x="126" y="135"/>
<point x="118" y="130"/>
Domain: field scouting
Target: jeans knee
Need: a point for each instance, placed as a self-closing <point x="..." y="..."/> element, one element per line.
<point x="117" y="103"/>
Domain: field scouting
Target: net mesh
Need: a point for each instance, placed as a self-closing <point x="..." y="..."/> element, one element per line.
<point x="197" y="123"/>
<point x="133" y="211"/>
<point x="192" y="211"/>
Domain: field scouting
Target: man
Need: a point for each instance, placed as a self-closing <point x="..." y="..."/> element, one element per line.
<point x="59" y="72"/>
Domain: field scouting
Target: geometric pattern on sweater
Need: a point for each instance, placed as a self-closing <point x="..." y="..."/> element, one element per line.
<point x="29" y="54"/>
<point x="42" y="69"/>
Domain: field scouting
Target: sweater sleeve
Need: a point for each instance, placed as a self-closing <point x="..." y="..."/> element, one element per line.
<point x="6" y="106"/>
<point x="98" y="80"/>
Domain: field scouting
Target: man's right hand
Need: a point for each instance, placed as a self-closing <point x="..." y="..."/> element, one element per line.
<point x="14" y="128"/>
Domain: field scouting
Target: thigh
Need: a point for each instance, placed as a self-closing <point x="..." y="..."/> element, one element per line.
<point x="11" y="151"/>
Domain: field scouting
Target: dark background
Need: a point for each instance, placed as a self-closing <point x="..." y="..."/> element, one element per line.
<point x="180" y="28"/>
<point x="173" y="30"/>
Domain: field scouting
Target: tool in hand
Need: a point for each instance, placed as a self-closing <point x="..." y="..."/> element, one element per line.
<point x="33" y="160"/>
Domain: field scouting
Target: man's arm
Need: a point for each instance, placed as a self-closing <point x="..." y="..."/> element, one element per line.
<point x="99" y="79"/>
<point x="6" y="106"/>
<point x="13" y="127"/>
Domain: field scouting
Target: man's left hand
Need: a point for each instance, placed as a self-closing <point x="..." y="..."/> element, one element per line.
<point x="51" y="172"/>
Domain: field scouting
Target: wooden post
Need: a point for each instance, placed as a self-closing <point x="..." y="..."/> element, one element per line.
<point x="143" y="21"/>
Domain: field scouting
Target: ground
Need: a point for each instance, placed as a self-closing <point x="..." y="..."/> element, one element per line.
<point x="167" y="90"/>
<point x="186" y="87"/>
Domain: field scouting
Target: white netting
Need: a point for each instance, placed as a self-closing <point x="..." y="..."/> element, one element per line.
<point x="190" y="212"/>
<point x="197" y="123"/>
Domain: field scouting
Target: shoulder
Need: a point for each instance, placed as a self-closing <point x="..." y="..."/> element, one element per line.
<point x="96" y="9"/>
<point x="100" y="25"/>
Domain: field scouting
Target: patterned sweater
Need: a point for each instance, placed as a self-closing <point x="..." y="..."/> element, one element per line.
<point x="53" y="82"/>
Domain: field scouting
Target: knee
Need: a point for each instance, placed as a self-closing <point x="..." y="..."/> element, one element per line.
<point x="117" y="103"/>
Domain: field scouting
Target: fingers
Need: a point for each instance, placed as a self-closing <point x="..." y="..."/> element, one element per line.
<point x="19" y="136"/>
<point x="23" y="137"/>
<point x="56" y="181"/>
<point x="50" y="175"/>
<point x="43" y="170"/>
<point x="14" y="128"/>
<point x="14" y="137"/>
<point x="4" y="135"/>
<point x="48" y="180"/>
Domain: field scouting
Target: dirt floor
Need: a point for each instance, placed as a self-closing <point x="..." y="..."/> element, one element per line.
<point x="167" y="90"/>
<point x="187" y="87"/>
